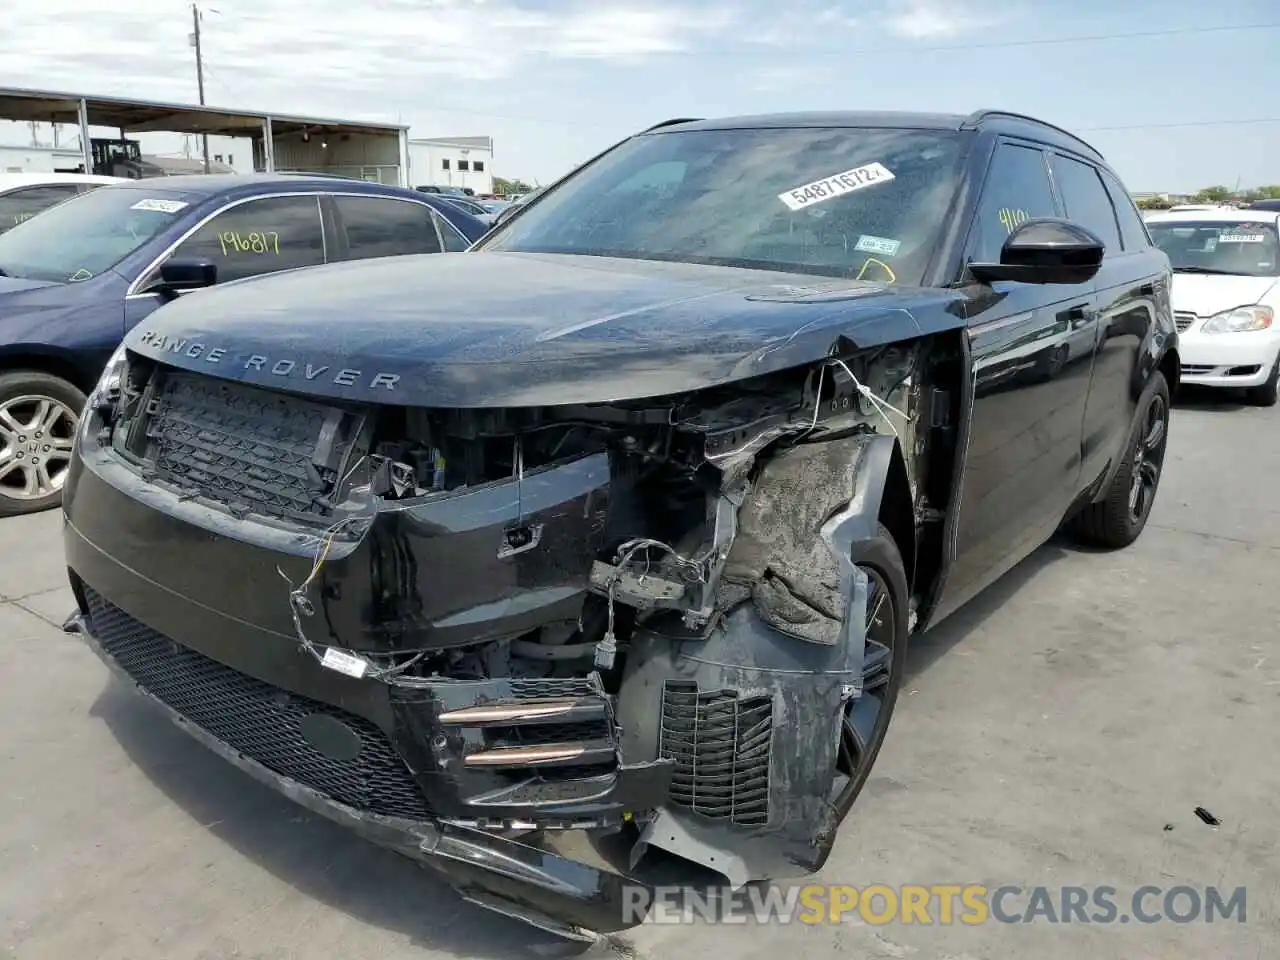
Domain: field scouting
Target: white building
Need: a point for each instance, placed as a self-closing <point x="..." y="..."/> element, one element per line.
<point x="452" y="162"/>
<point x="20" y="159"/>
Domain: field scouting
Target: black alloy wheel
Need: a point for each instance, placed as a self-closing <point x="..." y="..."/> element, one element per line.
<point x="866" y="717"/>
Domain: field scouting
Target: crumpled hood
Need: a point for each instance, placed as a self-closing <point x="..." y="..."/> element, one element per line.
<point x="1207" y="294"/>
<point x="507" y="329"/>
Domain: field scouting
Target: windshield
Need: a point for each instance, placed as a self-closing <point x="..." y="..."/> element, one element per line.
<point x="88" y="234"/>
<point x="861" y="203"/>
<point x="1245" y="248"/>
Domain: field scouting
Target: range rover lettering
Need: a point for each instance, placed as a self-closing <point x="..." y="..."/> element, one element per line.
<point x="614" y="538"/>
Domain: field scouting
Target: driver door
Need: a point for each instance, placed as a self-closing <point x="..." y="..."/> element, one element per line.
<point x="1032" y="352"/>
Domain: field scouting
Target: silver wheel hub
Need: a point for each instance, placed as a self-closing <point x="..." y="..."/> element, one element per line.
<point x="36" y="437"/>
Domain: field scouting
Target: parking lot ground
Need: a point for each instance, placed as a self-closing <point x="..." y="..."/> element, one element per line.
<point x="1059" y="731"/>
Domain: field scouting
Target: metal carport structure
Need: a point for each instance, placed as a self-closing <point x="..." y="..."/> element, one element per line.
<point x="280" y="142"/>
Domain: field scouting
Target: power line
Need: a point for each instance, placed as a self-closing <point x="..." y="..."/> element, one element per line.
<point x="771" y="50"/>
<point x="1184" y="123"/>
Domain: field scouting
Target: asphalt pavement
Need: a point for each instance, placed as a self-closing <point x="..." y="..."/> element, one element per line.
<point x="1061" y="730"/>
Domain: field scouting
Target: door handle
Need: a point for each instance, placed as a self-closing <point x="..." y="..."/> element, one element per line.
<point x="1079" y="315"/>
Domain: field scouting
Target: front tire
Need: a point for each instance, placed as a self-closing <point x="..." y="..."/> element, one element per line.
<point x="866" y="719"/>
<point x="1119" y="518"/>
<point x="39" y="414"/>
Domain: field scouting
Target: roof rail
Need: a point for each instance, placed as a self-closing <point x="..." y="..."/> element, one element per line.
<point x="672" y="122"/>
<point x="975" y="118"/>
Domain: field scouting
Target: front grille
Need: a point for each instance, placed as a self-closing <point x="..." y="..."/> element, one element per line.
<point x="248" y="449"/>
<point x="720" y="743"/>
<point x="1183" y="320"/>
<point x="257" y="719"/>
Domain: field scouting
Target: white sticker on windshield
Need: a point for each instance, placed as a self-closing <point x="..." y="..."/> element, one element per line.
<point x="869" y="244"/>
<point x="159" y="206"/>
<point x="1242" y="238"/>
<point x="836" y="185"/>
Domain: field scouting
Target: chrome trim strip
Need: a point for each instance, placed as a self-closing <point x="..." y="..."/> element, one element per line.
<point x="999" y="324"/>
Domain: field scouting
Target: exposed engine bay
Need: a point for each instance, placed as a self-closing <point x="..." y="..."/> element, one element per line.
<point x="639" y="619"/>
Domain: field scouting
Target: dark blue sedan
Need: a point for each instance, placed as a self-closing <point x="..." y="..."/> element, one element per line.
<point x="75" y="278"/>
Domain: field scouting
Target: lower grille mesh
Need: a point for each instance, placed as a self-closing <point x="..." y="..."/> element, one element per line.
<point x="721" y="747"/>
<point x="257" y="719"/>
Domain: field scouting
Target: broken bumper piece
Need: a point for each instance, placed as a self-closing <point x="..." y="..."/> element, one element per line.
<point x="535" y="884"/>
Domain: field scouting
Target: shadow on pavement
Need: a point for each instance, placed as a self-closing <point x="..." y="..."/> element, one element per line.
<point x="932" y="645"/>
<point x="1210" y="400"/>
<point x="312" y="855"/>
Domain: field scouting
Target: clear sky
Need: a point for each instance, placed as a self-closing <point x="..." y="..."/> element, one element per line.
<point x="554" y="81"/>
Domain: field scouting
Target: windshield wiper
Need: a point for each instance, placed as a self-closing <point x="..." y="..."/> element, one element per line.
<point x="1209" y="270"/>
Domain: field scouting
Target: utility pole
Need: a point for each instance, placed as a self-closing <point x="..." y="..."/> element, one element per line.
<point x="195" y="42"/>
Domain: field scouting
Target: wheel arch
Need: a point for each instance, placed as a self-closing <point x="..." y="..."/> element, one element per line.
<point x="48" y="360"/>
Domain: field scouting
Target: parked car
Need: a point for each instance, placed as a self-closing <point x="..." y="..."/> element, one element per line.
<point x="1265" y="205"/>
<point x="445" y="190"/>
<point x="617" y="526"/>
<point x="1226" y="294"/>
<point x="478" y="210"/>
<point x="74" y="279"/>
<point x="23" y="195"/>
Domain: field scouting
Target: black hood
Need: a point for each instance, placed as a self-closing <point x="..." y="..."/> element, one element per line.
<point x="510" y="329"/>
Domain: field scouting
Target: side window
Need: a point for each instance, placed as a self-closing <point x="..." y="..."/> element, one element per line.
<point x="259" y="237"/>
<point x="384" y="227"/>
<point x="19" y="205"/>
<point x="1016" y="190"/>
<point x="1132" y="230"/>
<point x="454" y="242"/>
<point x="1086" y="199"/>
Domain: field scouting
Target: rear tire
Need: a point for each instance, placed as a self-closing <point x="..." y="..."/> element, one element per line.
<point x="1119" y="518"/>
<point x="1266" y="394"/>
<point x="39" y="414"/>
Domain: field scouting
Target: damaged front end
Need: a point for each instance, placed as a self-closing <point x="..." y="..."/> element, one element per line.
<point x="526" y="646"/>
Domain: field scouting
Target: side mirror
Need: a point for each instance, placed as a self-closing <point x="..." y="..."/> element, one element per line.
<point x="179" y="275"/>
<point x="1045" y="251"/>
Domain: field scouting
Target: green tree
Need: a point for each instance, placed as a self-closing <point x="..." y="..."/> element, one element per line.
<point x="502" y="186"/>
<point x="1213" y="195"/>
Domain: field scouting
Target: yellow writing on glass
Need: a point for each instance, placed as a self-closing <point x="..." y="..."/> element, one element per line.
<point x="262" y="242"/>
<point x="1010" y="218"/>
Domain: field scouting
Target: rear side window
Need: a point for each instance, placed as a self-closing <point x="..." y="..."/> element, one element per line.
<point x="1016" y="190"/>
<point x="25" y="202"/>
<point x="259" y="237"/>
<point x="1132" y="230"/>
<point x="1086" y="199"/>
<point x="386" y="227"/>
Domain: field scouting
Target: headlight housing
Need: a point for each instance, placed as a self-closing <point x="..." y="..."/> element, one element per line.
<point x="1240" y="320"/>
<point x="108" y="388"/>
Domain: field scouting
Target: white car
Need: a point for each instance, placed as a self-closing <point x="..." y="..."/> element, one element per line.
<point x="1226" y="296"/>
<point x="23" y="195"/>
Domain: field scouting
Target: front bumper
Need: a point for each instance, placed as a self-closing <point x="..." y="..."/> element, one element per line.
<point x="198" y="621"/>
<point x="534" y="884"/>
<point x="1227" y="359"/>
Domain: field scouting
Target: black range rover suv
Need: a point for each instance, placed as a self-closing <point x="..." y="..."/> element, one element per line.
<point x="618" y="525"/>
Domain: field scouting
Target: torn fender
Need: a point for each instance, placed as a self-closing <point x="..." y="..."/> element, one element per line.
<point x="750" y="714"/>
